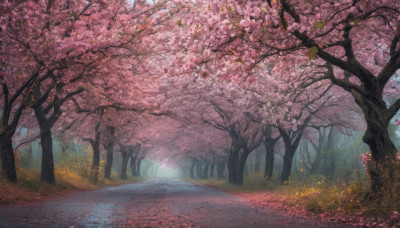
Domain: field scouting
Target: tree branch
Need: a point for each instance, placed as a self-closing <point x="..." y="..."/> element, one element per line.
<point x="393" y="109"/>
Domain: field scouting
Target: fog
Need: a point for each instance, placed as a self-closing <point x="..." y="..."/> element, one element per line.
<point x="165" y="171"/>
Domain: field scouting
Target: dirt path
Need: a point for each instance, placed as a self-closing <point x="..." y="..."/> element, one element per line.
<point x="152" y="203"/>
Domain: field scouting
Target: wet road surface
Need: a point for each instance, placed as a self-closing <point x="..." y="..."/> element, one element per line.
<point x="153" y="203"/>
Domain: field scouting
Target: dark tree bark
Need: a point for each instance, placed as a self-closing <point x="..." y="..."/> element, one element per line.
<point x="291" y="140"/>
<point x="45" y="125"/>
<point x="205" y="170"/>
<point x="269" y="143"/>
<point x="47" y="167"/>
<point x="243" y="134"/>
<point x="377" y="138"/>
<point x="233" y="162"/>
<point x="287" y="164"/>
<point x="240" y="151"/>
<point x="269" y="159"/>
<point x="124" y="165"/>
<point x="7" y="157"/>
<point x="109" y="161"/>
<point x="133" y="166"/>
<point x="95" y="143"/>
<point x="94" y="172"/>
<point x="109" y="145"/>
<point x="126" y="153"/>
<point x="139" y="164"/>
<point x="10" y="119"/>
<point x="135" y="159"/>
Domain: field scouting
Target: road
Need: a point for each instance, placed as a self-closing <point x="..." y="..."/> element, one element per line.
<point x="159" y="202"/>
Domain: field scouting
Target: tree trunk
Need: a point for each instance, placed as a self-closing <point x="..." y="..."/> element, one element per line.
<point x="221" y="168"/>
<point x="317" y="161"/>
<point x="269" y="143"/>
<point x="146" y="169"/>
<point x="192" y="169"/>
<point x="110" y="151"/>
<point x="109" y="162"/>
<point x="237" y="167"/>
<point x="291" y="140"/>
<point x="246" y="169"/>
<point x="383" y="153"/>
<point x="47" y="167"/>
<point x="198" y="170"/>
<point x="94" y="173"/>
<point x="376" y="136"/>
<point x="7" y="157"/>
<point x="287" y="164"/>
<point x="133" y="166"/>
<point x="324" y="143"/>
<point x="212" y="168"/>
<point x="8" y="126"/>
<point x="269" y="160"/>
<point x="125" y="158"/>
<point x="241" y="172"/>
<point x="138" y="167"/>
<point x="233" y="166"/>
<point x="205" y="171"/>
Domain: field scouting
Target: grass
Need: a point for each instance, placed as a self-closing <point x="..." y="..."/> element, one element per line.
<point x="72" y="174"/>
<point x="316" y="195"/>
<point x="29" y="188"/>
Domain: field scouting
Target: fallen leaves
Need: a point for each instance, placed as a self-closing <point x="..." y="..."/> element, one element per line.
<point x="270" y="201"/>
<point x="158" y="216"/>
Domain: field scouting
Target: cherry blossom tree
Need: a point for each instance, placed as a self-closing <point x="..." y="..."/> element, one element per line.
<point x="356" y="40"/>
<point x="46" y="44"/>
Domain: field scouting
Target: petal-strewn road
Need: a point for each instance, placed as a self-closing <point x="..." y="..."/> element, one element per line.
<point x="152" y="203"/>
